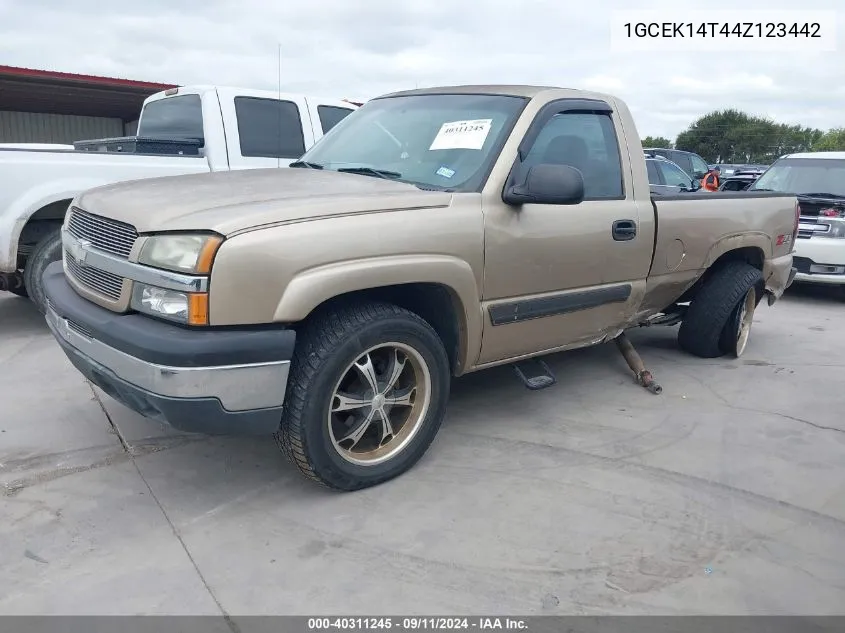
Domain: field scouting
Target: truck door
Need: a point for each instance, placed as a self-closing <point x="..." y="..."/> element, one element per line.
<point x="264" y="129"/>
<point x="559" y="276"/>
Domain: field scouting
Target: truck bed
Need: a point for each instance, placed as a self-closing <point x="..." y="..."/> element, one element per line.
<point x="695" y="229"/>
<point x="39" y="177"/>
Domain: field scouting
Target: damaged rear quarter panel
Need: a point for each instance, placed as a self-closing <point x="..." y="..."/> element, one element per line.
<point x="694" y="230"/>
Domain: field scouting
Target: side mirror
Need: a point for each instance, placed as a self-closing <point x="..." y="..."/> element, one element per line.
<point x="696" y="185"/>
<point x="547" y="184"/>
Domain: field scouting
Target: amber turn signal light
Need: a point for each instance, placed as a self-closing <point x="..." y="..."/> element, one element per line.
<point x="207" y="253"/>
<point x="198" y="308"/>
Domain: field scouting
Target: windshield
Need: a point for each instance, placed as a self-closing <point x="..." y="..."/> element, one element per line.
<point x="432" y="141"/>
<point x="804" y="176"/>
<point x="172" y="118"/>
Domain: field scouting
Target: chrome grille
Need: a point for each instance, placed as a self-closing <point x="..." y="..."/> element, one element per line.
<point x="97" y="280"/>
<point x="73" y="325"/>
<point x="111" y="236"/>
<point x="810" y="225"/>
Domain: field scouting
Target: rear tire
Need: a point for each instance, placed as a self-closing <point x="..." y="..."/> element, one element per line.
<point x="719" y="318"/>
<point x="333" y="425"/>
<point x="46" y="251"/>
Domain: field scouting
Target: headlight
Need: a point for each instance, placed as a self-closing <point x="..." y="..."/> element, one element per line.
<point x="837" y="228"/>
<point x="191" y="254"/>
<point x="181" y="307"/>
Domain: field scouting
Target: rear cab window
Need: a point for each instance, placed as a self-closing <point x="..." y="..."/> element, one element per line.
<point x="177" y="117"/>
<point x="331" y="116"/>
<point x="269" y="128"/>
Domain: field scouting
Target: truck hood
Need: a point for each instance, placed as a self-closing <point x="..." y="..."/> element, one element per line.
<point x="229" y="202"/>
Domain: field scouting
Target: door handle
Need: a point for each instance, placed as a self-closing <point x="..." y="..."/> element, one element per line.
<point x="624" y="230"/>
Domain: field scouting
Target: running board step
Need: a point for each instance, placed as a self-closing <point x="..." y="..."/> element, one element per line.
<point x="534" y="374"/>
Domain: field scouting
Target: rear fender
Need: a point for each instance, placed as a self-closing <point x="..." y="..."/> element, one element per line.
<point x="15" y="216"/>
<point x="757" y="240"/>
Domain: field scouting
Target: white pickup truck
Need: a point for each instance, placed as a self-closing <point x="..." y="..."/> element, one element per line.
<point x="817" y="179"/>
<point x="180" y="131"/>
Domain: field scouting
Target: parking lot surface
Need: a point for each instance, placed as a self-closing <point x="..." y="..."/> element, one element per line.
<point x="723" y="495"/>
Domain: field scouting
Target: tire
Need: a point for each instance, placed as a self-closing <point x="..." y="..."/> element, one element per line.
<point x="710" y="326"/>
<point x="20" y="292"/>
<point x="314" y="437"/>
<point x="46" y="251"/>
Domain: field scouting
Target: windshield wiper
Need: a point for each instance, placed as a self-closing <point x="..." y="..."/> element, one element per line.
<point x="835" y="196"/>
<point x="379" y="173"/>
<point x="306" y="164"/>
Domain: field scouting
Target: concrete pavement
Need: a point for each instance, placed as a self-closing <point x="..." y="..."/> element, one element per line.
<point x="723" y="495"/>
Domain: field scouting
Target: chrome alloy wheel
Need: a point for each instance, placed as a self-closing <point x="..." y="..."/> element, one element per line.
<point x="379" y="404"/>
<point x="744" y="320"/>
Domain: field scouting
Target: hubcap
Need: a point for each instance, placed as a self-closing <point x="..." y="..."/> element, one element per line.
<point x="746" y="317"/>
<point x="379" y="404"/>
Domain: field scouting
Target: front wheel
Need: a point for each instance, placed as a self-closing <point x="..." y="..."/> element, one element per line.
<point x="366" y="395"/>
<point x="20" y="291"/>
<point x="46" y="251"/>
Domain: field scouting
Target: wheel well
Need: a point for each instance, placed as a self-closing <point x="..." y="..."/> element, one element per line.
<point x="39" y="224"/>
<point x="435" y="303"/>
<point x="748" y="254"/>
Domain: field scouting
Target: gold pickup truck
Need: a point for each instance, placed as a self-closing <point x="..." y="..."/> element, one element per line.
<point x="430" y="234"/>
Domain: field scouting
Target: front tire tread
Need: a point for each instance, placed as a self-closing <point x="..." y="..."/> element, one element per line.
<point x="316" y="345"/>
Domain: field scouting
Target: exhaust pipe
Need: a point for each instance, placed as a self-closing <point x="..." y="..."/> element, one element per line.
<point x="11" y="281"/>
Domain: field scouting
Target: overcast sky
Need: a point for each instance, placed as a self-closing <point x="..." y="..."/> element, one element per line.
<point x="363" y="48"/>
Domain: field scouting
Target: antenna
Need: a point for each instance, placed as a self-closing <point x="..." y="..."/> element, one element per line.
<point x="279" y="54"/>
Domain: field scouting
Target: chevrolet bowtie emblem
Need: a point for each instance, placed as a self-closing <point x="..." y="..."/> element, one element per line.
<point x="78" y="249"/>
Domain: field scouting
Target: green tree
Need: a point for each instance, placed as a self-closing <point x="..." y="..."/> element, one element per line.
<point x="714" y="135"/>
<point x="831" y="141"/>
<point x="732" y="136"/>
<point x="793" y="138"/>
<point x="657" y="141"/>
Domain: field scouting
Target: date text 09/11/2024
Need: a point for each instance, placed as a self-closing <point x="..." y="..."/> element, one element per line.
<point x="766" y="30"/>
<point x="415" y="623"/>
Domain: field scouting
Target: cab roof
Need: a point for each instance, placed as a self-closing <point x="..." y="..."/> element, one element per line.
<point x="507" y="90"/>
<point x="830" y="155"/>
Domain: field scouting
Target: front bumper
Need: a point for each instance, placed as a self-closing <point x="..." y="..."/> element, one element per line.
<point x="827" y="280"/>
<point x="214" y="381"/>
<point x="820" y="260"/>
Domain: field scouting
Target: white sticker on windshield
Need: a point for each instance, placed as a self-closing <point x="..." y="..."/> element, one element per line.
<point x="462" y="134"/>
